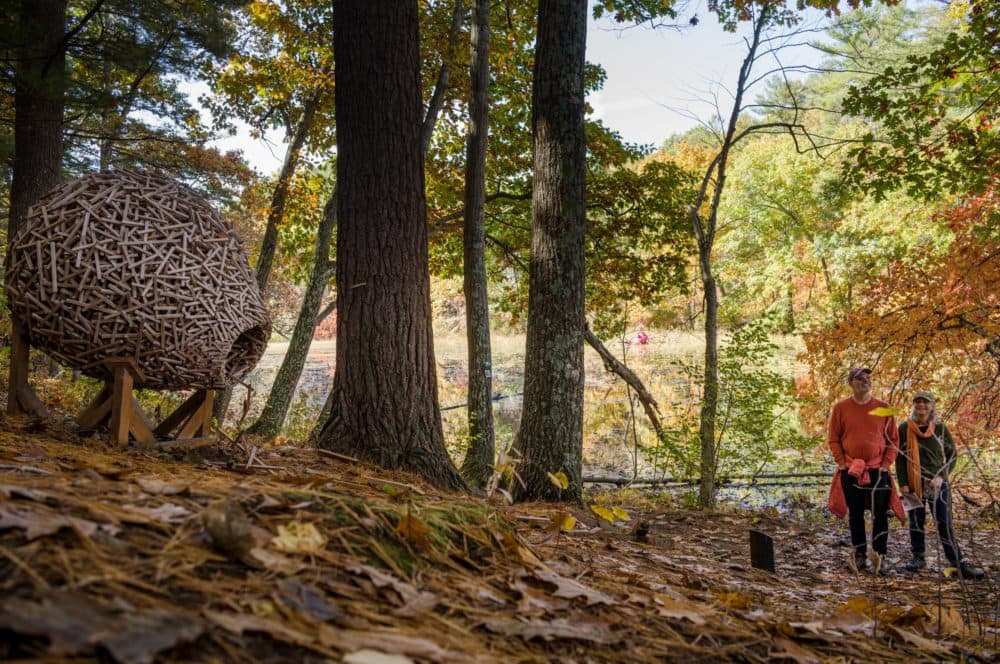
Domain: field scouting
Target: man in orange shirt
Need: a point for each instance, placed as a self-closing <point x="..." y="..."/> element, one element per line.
<point x="864" y="446"/>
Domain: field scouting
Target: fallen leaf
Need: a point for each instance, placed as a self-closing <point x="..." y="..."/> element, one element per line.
<point x="620" y="514"/>
<point x="307" y="601"/>
<point x="534" y="601"/>
<point x="168" y="513"/>
<point x="793" y="651"/>
<point x="414" y="531"/>
<point x="681" y="609"/>
<point x="390" y="642"/>
<point x="559" y="479"/>
<point x="38" y="522"/>
<point x="570" y="588"/>
<point x="73" y="624"/>
<point x="951" y="621"/>
<point x="560" y="628"/>
<point x="603" y="513"/>
<point x="735" y="600"/>
<point x="274" y="562"/>
<point x="407" y="593"/>
<point x="924" y="644"/>
<point x="298" y="537"/>
<point x="366" y="656"/>
<point x="162" y="488"/>
<point x="238" y="623"/>
<point x="13" y="490"/>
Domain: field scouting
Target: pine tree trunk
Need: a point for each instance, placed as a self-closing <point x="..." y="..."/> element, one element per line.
<point x="385" y="402"/>
<point x="39" y="87"/>
<point x="272" y="417"/>
<point x="479" y="460"/>
<point x="550" y="438"/>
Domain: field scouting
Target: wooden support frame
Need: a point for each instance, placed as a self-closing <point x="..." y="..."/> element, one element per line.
<point x="116" y="406"/>
<point x="20" y="397"/>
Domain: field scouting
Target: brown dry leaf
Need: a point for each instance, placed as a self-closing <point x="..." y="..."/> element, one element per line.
<point x="74" y="624"/>
<point x="407" y="593"/>
<point x="159" y="488"/>
<point x="298" y="537"/>
<point x="858" y="604"/>
<point x="368" y="656"/>
<point x="274" y="562"/>
<point x="735" y="600"/>
<point x="238" y="623"/>
<point x="37" y="522"/>
<point x="793" y="651"/>
<point x="534" y="601"/>
<point x="925" y="644"/>
<point x="389" y="642"/>
<point x="414" y="531"/>
<point x="570" y="588"/>
<point x="515" y="548"/>
<point x="681" y="609"/>
<point x="307" y="600"/>
<point x="548" y="630"/>
<point x="13" y="490"/>
<point x="951" y="621"/>
<point x="167" y="513"/>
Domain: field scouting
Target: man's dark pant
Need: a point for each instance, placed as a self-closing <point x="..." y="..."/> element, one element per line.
<point x="941" y="505"/>
<point x="875" y="495"/>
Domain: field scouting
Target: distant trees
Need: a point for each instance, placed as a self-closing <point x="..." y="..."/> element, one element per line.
<point x="384" y="398"/>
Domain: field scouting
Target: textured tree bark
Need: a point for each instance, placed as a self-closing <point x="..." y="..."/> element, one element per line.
<point x="479" y="460"/>
<point x="710" y="395"/>
<point x="272" y="417"/>
<point x="39" y="86"/>
<point x="385" y="402"/>
<point x="550" y="438"/>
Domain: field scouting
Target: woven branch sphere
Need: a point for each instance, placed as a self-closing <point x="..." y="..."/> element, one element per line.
<point x="134" y="264"/>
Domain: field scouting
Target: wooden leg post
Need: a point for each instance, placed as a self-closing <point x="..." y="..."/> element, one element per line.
<point x="20" y="397"/>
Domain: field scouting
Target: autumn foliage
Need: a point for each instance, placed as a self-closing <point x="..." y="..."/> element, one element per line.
<point x="931" y="322"/>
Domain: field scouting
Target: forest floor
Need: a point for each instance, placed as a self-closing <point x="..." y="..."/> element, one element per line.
<point x="291" y="554"/>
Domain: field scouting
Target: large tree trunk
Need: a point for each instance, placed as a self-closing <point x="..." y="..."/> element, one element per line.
<point x="385" y="401"/>
<point x="39" y="85"/>
<point x="479" y="460"/>
<point x="272" y="417"/>
<point x="550" y="438"/>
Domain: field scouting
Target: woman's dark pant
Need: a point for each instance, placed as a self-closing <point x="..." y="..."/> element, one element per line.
<point x="941" y="505"/>
<point x="875" y="495"/>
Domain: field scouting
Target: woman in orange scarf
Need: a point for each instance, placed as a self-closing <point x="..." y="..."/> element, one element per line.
<point x="922" y="467"/>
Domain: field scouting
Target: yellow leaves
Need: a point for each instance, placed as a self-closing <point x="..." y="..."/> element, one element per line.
<point x="561" y="522"/>
<point x="948" y="572"/>
<point x="610" y="514"/>
<point x="414" y="531"/>
<point x="884" y="412"/>
<point x="603" y="513"/>
<point x="559" y="480"/>
<point x="299" y="537"/>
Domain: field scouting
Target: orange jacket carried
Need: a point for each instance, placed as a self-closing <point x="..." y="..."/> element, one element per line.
<point x="837" y="503"/>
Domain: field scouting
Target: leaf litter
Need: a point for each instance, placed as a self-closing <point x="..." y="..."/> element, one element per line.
<point x="133" y="556"/>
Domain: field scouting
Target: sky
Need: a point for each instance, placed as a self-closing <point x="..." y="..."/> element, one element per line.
<point x="656" y="79"/>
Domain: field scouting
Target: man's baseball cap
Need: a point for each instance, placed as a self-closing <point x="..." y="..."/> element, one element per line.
<point x="923" y="396"/>
<point x="857" y="371"/>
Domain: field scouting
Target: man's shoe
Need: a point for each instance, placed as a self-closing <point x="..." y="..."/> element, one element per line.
<point x="916" y="564"/>
<point x="967" y="571"/>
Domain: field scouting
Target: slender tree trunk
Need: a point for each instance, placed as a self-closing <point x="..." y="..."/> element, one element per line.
<point x="479" y="460"/>
<point x="275" y="215"/>
<point x="550" y="438"/>
<point x="272" y="417"/>
<point x="279" y="198"/>
<point x="385" y="401"/>
<point x="39" y="87"/>
<point x="710" y="394"/>
<point x="436" y="102"/>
